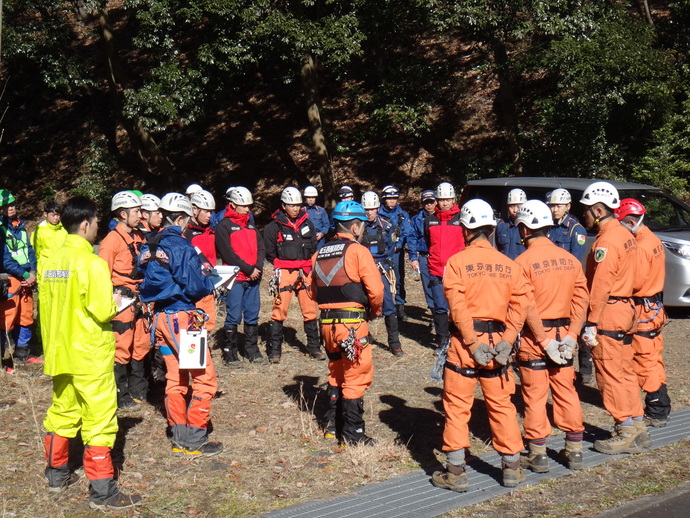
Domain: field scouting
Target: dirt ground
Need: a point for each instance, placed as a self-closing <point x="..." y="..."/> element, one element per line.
<point x="275" y="455"/>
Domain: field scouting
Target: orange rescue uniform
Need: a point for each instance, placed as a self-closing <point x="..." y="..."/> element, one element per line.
<point x="483" y="288"/>
<point x="611" y="274"/>
<point x="292" y="280"/>
<point x="648" y="342"/>
<point x="120" y="250"/>
<point x="19" y="308"/>
<point x="560" y="304"/>
<point x="354" y="377"/>
<point x="180" y="408"/>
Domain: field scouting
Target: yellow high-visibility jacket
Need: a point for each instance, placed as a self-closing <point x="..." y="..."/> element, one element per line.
<point x="76" y="305"/>
<point x="46" y="238"/>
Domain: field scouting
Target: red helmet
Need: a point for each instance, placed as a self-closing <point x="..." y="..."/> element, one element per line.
<point x="629" y="207"/>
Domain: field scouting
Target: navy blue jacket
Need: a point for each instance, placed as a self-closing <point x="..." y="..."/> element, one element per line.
<point x="174" y="281"/>
<point x="508" y="239"/>
<point x="400" y="220"/>
<point x="569" y="235"/>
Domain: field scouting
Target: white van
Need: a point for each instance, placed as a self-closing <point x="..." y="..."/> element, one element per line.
<point x="667" y="217"/>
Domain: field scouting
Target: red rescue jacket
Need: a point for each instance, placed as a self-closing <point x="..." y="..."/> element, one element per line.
<point x="443" y="234"/>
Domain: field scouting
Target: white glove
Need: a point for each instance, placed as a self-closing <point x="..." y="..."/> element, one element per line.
<point x="483" y="354"/>
<point x="567" y="347"/>
<point x="502" y="349"/>
<point x="552" y="351"/>
<point x="589" y="336"/>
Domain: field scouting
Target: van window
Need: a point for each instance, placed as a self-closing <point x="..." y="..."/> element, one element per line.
<point x="663" y="211"/>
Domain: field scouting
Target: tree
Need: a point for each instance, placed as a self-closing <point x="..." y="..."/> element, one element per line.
<point x="611" y="89"/>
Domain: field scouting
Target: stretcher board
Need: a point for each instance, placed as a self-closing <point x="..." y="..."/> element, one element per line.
<point x="193" y="345"/>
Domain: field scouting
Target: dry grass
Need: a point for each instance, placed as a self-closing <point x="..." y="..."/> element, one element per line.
<point x="275" y="455"/>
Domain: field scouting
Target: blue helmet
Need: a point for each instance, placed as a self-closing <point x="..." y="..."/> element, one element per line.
<point x="347" y="210"/>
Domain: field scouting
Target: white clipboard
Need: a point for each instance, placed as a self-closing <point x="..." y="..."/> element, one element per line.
<point x="193" y="346"/>
<point x="227" y="274"/>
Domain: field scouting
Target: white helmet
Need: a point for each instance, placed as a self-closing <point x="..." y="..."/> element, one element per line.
<point x="558" y="196"/>
<point x="310" y="192"/>
<point x="370" y="200"/>
<point x="150" y="202"/>
<point x="203" y="200"/>
<point x="534" y="214"/>
<point x="477" y="213"/>
<point x="445" y="191"/>
<point x="125" y="200"/>
<point x="516" y="196"/>
<point x="291" y="196"/>
<point x="195" y="187"/>
<point x="241" y="196"/>
<point x="176" y="202"/>
<point x="228" y="192"/>
<point x="601" y="192"/>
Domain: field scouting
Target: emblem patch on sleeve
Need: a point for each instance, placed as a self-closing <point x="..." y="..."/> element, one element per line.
<point x="580" y="239"/>
<point x="599" y="254"/>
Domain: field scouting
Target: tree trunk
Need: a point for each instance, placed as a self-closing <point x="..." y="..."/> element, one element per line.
<point x="644" y="7"/>
<point x="151" y="156"/>
<point x="506" y="102"/>
<point x="310" y="83"/>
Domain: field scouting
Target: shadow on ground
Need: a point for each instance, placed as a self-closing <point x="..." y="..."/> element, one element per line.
<point x="420" y="429"/>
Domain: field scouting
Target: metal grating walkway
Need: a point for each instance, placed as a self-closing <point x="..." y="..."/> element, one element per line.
<point x="413" y="495"/>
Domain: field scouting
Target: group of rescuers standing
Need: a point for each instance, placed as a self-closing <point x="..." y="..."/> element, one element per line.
<point x="528" y="301"/>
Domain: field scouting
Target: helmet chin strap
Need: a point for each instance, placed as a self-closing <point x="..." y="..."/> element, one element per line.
<point x="524" y="240"/>
<point x="472" y="237"/>
<point x="634" y="228"/>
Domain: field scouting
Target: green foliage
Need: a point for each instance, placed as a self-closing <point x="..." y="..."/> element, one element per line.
<point x="667" y="162"/>
<point x="173" y="93"/>
<point x="97" y="174"/>
<point x="37" y="40"/>
<point x="611" y="88"/>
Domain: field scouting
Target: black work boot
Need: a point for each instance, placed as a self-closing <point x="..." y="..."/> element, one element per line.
<point x="230" y="357"/>
<point x="124" y="398"/>
<point x="400" y="311"/>
<point x="353" y="423"/>
<point x="584" y="355"/>
<point x="657" y="407"/>
<point x="332" y="418"/>
<point x="311" y="329"/>
<point x="393" y="335"/>
<point x="275" y="344"/>
<point x="442" y="328"/>
<point x="138" y="386"/>
<point x="251" y="344"/>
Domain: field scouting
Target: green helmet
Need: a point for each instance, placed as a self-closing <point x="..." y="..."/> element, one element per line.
<point x="6" y="198"/>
